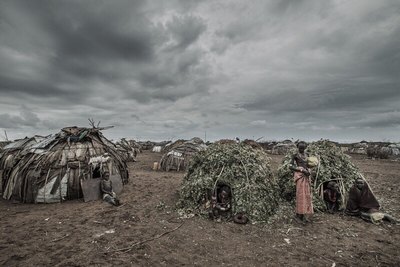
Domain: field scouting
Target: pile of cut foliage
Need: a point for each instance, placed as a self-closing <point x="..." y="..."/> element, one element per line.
<point x="245" y="170"/>
<point x="333" y="166"/>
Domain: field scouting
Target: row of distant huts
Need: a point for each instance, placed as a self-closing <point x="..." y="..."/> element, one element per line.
<point x="62" y="166"/>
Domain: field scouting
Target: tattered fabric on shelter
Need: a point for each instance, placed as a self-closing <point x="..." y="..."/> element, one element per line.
<point x="52" y="170"/>
<point x="244" y="169"/>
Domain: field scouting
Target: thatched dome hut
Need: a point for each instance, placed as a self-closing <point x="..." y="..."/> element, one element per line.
<point x="333" y="165"/>
<point x="245" y="170"/>
<point x="177" y="156"/>
<point x="282" y="148"/>
<point x="383" y="150"/>
<point x="128" y="149"/>
<point x="55" y="169"/>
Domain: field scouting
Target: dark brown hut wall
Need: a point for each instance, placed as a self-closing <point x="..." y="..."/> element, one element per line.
<point x="61" y="157"/>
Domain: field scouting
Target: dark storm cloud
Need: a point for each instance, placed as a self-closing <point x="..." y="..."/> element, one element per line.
<point x="381" y="120"/>
<point x="26" y="119"/>
<point x="336" y="97"/>
<point x="85" y="30"/>
<point x="185" y="30"/>
<point x="169" y="68"/>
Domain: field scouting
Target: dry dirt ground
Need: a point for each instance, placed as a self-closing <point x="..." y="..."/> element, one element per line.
<point x="75" y="233"/>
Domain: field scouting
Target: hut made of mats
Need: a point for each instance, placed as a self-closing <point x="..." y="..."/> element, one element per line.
<point x="62" y="166"/>
<point x="14" y="151"/>
<point x="245" y="170"/>
<point x="333" y="165"/>
<point x="177" y="156"/>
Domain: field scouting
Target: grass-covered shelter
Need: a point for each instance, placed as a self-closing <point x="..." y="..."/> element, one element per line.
<point x="244" y="169"/>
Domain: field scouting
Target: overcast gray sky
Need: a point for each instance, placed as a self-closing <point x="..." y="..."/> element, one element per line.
<point x="176" y="69"/>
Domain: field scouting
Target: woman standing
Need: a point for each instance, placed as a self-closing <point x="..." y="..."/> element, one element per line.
<point x="302" y="178"/>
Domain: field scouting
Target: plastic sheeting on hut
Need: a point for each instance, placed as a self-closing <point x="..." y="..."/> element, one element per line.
<point x="157" y="149"/>
<point x="55" y="169"/>
<point x="383" y="150"/>
<point x="179" y="153"/>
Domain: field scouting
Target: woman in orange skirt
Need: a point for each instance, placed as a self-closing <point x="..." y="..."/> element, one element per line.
<point x="302" y="178"/>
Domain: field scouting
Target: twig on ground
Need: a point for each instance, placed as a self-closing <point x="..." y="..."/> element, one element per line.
<point x="121" y="205"/>
<point x="61" y="238"/>
<point x="328" y="259"/>
<point x="293" y="228"/>
<point x="126" y="249"/>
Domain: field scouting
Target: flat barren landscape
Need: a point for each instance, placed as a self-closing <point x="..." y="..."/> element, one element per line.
<point x="148" y="231"/>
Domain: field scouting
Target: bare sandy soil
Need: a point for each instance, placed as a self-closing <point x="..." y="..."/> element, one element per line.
<point x="75" y="233"/>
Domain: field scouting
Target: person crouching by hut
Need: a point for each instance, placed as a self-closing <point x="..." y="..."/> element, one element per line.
<point x="332" y="197"/>
<point x="221" y="203"/>
<point x="302" y="179"/>
<point x="362" y="202"/>
<point x="107" y="190"/>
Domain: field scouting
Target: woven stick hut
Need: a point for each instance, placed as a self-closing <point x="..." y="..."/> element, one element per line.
<point x="177" y="155"/>
<point x="128" y="149"/>
<point x="333" y="165"/>
<point x="54" y="169"/>
<point x="245" y="170"/>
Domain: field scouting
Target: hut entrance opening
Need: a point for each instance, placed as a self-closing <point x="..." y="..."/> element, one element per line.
<point x="96" y="172"/>
<point x="221" y="201"/>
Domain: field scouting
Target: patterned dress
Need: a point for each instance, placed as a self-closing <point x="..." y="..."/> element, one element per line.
<point x="303" y="187"/>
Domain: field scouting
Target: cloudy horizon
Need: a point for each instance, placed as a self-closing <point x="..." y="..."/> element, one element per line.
<point x="161" y="70"/>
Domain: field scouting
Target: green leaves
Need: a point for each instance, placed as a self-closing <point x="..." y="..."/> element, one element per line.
<point x="334" y="165"/>
<point x="246" y="170"/>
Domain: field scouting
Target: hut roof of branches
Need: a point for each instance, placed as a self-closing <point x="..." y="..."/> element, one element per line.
<point x="252" y="143"/>
<point x="172" y="145"/>
<point x="383" y="150"/>
<point x="14" y="151"/>
<point x="333" y="165"/>
<point x="60" y="166"/>
<point x="3" y="144"/>
<point x="358" y="148"/>
<point x="245" y="170"/>
<point x="146" y="145"/>
<point x="225" y="141"/>
<point x="178" y="155"/>
<point x="128" y="149"/>
<point x="282" y="148"/>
